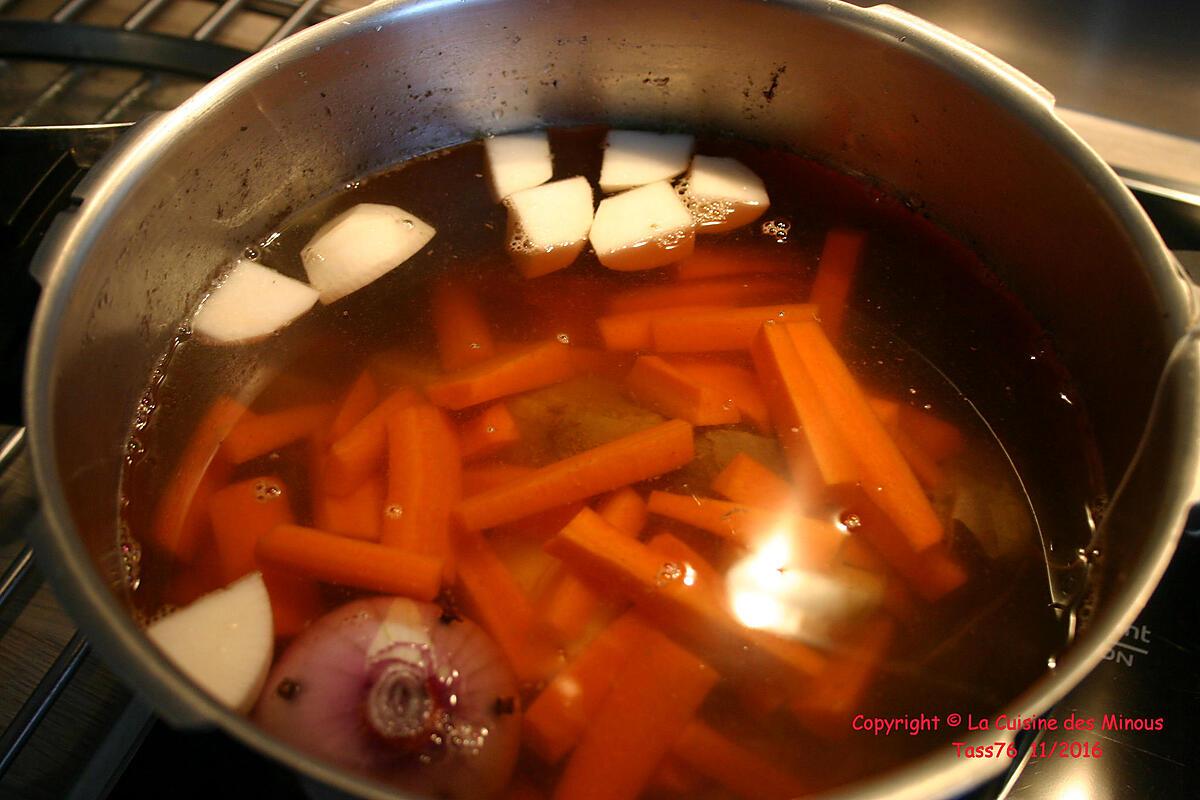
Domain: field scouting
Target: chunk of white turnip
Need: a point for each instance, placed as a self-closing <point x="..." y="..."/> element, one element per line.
<point x="636" y="158"/>
<point x="518" y="161"/>
<point x="223" y="641"/>
<point x="642" y="228"/>
<point x="548" y="225"/>
<point x="723" y="194"/>
<point x="250" y="303"/>
<point x="361" y="245"/>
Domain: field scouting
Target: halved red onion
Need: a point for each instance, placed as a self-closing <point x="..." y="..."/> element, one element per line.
<point x="402" y="692"/>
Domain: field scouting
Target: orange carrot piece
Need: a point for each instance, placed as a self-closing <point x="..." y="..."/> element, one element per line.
<point x="397" y="368"/>
<point x="732" y="384"/>
<point x="242" y="512"/>
<point x="673" y="776"/>
<point x="358" y="515"/>
<point x="570" y="604"/>
<point x="924" y="466"/>
<point x="931" y="573"/>
<point x="725" y="262"/>
<point x="501" y="608"/>
<point x="739" y="770"/>
<point x="523" y="369"/>
<point x="630" y="330"/>
<point x="181" y="516"/>
<point x="881" y="468"/>
<point x="655" y="694"/>
<point x="840" y="259"/>
<point x="817" y="541"/>
<point x="739" y="524"/>
<point x="857" y="553"/>
<point x="827" y="703"/>
<point x="625" y="568"/>
<point x="363" y="565"/>
<point x="490" y="430"/>
<point x="724" y="292"/>
<point x="463" y="334"/>
<point x="256" y="435"/>
<point x="360" y="398"/>
<point x="424" y="483"/>
<point x="478" y="478"/>
<point x="719" y="329"/>
<point x="558" y="716"/>
<point x="939" y="439"/>
<point x="745" y="480"/>
<point x="800" y="419"/>
<point x="660" y="386"/>
<point x="295" y="601"/>
<point x="358" y="454"/>
<point x="681" y="553"/>
<point x="636" y="457"/>
<point x="888" y="411"/>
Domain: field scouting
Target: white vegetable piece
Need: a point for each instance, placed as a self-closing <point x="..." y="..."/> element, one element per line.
<point x="723" y="194"/>
<point x="250" y="303"/>
<point x="548" y="225"/>
<point x="361" y="245"/>
<point x="223" y="641"/>
<point x="636" y="158"/>
<point x="518" y="161"/>
<point x="643" y="228"/>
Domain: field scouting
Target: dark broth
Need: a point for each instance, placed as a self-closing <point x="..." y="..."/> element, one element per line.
<point x="927" y="326"/>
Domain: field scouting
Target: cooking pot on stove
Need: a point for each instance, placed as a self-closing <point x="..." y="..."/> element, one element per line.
<point x="874" y="91"/>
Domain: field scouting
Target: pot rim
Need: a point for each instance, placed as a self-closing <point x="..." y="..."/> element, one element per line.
<point x="112" y="629"/>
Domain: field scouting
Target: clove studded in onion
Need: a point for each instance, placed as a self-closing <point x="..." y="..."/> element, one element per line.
<point x="403" y="692"/>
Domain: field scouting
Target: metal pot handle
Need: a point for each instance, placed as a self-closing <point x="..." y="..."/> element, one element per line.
<point x="1000" y="68"/>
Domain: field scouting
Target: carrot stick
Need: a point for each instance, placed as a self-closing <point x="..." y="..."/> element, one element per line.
<point x="363" y="565"/>
<point x="739" y="770"/>
<point x="625" y="568"/>
<point x="939" y="439"/>
<point x="358" y="455"/>
<point x="527" y="368"/>
<point x="630" y="330"/>
<point x="181" y="516"/>
<point x="570" y="604"/>
<point x="745" y="480"/>
<point x="923" y="465"/>
<point x="723" y="292"/>
<point x="931" y="573"/>
<point x="719" y="329"/>
<point x="826" y="704"/>
<point x="732" y="384"/>
<point x="358" y="515"/>
<point x="881" y="467"/>
<point x="817" y="541"/>
<point x="463" y="334"/>
<point x="242" y="512"/>
<point x="424" y="483"/>
<point x="397" y="368"/>
<point x="360" y="398"/>
<point x="636" y="457"/>
<point x="673" y="776"/>
<point x="800" y="419"/>
<point x="681" y="553"/>
<point x="726" y="262"/>
<point x="256" y="435"/>
<point x="740" y="524"/>
<point x="558" y="716"/>
<point x="658" y="385"/>
<point x="295" y="600"/>
<point x="492" y="429"/>
<point x="501" y="608"/>
<point x="654" y="695"/>
<point x="478" y="478"/>
<point x="840" y="259"/>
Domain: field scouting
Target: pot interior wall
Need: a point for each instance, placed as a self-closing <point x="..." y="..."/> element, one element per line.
<point x="347" y="99"/>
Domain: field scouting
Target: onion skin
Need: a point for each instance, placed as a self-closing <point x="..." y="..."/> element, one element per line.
<point x="396" y="690"/>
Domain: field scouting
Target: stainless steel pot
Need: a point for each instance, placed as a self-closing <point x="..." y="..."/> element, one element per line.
<point x="872" y="90"/>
